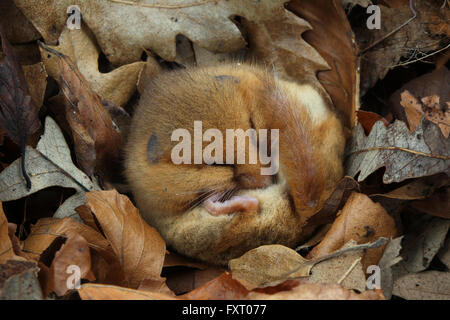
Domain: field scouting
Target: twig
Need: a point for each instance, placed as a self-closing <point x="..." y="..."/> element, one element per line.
<point x="22" y="164"/>
<point x="349" y="270"/>
<point x="411" y="5"/>
<point x="424" y="57"/>
<point x="378" y="243"/>
<point x="423" y="154"/>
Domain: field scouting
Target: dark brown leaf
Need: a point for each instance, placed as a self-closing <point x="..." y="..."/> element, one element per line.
<point x="18" y="114"/>
<point x="97" y="138"/>
<point x="334" y="41"/>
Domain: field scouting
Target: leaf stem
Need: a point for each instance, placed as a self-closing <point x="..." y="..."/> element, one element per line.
<point x="22" y="162"/>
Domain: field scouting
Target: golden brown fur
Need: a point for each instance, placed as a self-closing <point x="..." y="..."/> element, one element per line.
<point x="170" y="196"/>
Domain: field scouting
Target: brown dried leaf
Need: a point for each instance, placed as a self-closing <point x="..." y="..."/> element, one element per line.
<point x="335" y="42"/>
<point x="333" y="204"/>
<point x="278" y="43"/>
<point x="223" y="287"/>
<point x="376" y="62"/>
<point x="74" y="252"/>
<point x="361" y="220"/>
<point x="405" y="155"/>
<point x="435" y="83"/>
<point x="6" y="246"/>
<point x="79" y="45"/>
<point x="11" y="17"/>
<point x="183" y="281"/>
<point x="271" y="265"/>
<point x="317" y="291"/>
<point x="368" y="119"/>
<point x="96" y="137"/>
<point x="436" y="205"/>
<point x="417" y="189"/>
<point x="18" y="116"/>
<point x="429" y="107"/>
<point x="92" y="291"/>
<point x="173" y="259"/>
<point x="150" y="69"/>
<point x="26" y="53"/>
<point x="36" y="77"/>
<point x="17" y="246"/>
<point x="46" y="230"/>
<point x="139" y="247"/>
<point x="156" y="285"/>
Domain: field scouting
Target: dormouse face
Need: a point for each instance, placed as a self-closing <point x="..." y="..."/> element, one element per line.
<point x="222" y="158"/>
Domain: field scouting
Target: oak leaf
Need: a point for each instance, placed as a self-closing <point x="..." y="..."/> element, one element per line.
<point x="405" y="155"/>
<point x="79" y="45"/>
<point x="127" y="26"/>
<point x="332" y="37"/>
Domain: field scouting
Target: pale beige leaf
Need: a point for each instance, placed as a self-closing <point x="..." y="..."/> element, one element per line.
<point x="345" y="270"/>
<point x="50" y="164"/>
<point x="18" y="281"/>
<point x="268" y="265"/>
<point x="79" y="45"/>
<point x="405" y="155"/>
<point x="429" y="285"/>
<point x="425" y="238"/>
<point x="391" y="256"/>
<point x="130" y="26"/>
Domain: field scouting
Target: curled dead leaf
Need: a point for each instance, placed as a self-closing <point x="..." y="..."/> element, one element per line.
<point x="138" y="246"/>
<point x="335" y="42"/>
